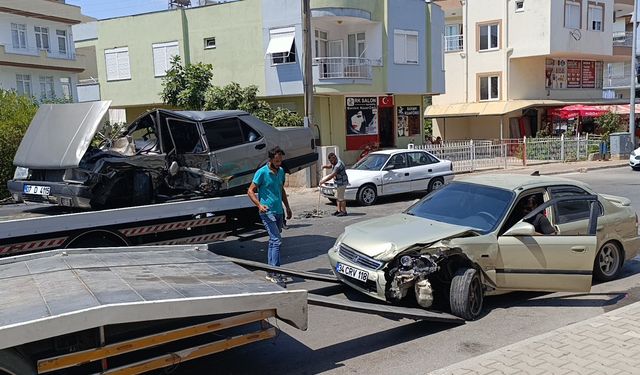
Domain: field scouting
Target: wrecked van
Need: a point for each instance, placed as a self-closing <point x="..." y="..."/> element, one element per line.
<point x="163" y="155"/>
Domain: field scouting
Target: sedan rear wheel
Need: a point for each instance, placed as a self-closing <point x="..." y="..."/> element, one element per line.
<point x="367" y="195"/>
<point x="466" y="294"/>
<point x="608" y="262"/>
<point x="435" y="184"/>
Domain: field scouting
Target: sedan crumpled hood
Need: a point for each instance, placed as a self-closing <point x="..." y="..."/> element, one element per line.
<point x="60" y="134"/>
<point x="395" y="233"/>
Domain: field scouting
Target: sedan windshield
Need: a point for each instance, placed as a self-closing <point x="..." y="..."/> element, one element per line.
<point x="478" y="206"/>
<point x="372" y="162"/>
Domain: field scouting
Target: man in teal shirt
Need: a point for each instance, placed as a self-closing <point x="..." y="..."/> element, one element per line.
<point x="268" y="182"/>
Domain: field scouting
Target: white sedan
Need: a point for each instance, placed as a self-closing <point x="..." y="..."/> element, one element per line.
<point x="390" y="172"/>
<point x="634" y="159"/>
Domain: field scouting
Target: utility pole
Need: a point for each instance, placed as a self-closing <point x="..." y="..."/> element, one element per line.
<point x="307" y="79"/>
<point x="634" y="76"/>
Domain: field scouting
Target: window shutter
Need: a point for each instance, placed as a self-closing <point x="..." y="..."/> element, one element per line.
<point x="412" y="48"/>
<point x="399" y="48"/>
<point x="111" y="60"/>
<point x="123" y="65"/>
<point x="159" y="60"/>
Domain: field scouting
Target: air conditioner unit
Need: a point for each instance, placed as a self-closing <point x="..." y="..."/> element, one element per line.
<point x="323" y="153"/>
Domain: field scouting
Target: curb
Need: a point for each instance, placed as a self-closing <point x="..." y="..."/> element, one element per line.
<point x="586" y="169"/>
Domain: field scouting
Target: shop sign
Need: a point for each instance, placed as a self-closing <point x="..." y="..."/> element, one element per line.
<point x="362" y="115"/>
<point x="408" y="121"/>
<point x="573" y="74"/>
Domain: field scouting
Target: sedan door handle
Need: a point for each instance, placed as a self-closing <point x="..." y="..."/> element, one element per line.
<point x="261" y="146"/>
<point x="579" y="249"/>
<point x="406" y="174"/>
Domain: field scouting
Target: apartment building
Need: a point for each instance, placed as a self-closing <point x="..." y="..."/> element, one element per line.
<point x="374" y="61"/>
<point x="37" y="53"/>
<point x="508" y="61"/>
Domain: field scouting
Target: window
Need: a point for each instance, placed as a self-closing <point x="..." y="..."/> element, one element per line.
<point x="117" y="61"/>
<point x="186" y="136"/>
<point x="282" y="46"/>
<point x="162" y="55"/>
<point x="356" y="45"/>
<point x="19" y="35"/>
<point x="420" y="158"/>
<point x="209" y="43"/>
<point x="223" y="133"/>
<point x="519" y="5"/>
<point x="46" y="88"/>
<point x="489" y="36"/>
<point x="405" y="47"/>
<point x="62" y="41"/>
<point x="570" y="211"/>
<point x="453" y="37"/>
<point x="42" y="37"/>
<point x="397" y="161"/>
<point x="23" y="84"/>
<point x="572" y="14"/>
<point x="65" y="83"/>
<point x="595" y="17"/>
<point x="490" y="88"/>
<point x="321" y="43"/>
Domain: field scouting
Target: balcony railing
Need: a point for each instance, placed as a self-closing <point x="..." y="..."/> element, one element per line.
<point x="343" y="67"/>
<point x="622" y="39"/>
<point x="32" y="51"/>
<point x="621" y="81"/>
<point x="453" y="43"/>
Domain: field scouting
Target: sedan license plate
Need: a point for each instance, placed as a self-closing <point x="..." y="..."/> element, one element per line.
<point x="352" y="272"/>
<point x="37" y="190"/>
<point x="328" y="192"/>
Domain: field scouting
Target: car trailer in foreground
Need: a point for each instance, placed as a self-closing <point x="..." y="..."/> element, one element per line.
<point x="85" y="311"/>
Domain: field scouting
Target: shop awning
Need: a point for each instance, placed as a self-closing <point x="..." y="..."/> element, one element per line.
<point x="497" y="108"/>
<point x="280" y="43"/>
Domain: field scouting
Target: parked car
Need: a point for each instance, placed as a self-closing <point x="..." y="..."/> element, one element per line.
<point x="390" y="172"/>
<point x="470" y="238"/>
<point x="162" y="155"/>
<point x="634" y="159"/>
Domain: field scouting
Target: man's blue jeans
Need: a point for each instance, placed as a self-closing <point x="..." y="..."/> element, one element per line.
<point x="273" y="224"/>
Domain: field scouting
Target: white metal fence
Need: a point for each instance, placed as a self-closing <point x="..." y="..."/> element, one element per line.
<point x="470" y="155"/>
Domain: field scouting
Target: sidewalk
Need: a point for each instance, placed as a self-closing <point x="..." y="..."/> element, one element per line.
<point x="606" y="344"/>
<point x="556" y="168"/>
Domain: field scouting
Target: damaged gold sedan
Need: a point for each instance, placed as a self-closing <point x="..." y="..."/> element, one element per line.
<point x="476" y="237"/>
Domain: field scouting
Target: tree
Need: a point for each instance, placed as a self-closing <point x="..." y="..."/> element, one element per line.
<point x="185" y="87"/>
<point x="234" y="96"/>
<point x="609" y="123"/>
<point x="16" y="112"/>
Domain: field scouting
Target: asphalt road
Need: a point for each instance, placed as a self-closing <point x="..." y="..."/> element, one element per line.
<point x="340" y="342"/>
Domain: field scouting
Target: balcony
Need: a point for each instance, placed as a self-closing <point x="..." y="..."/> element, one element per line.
<point x="40" y="59"/>
<point x="343" y="68"/>
<point x="453" y="43"/>
<point x="622" y="39"/>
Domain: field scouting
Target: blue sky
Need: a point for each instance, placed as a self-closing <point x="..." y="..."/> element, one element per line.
<point x="101" y="9"/>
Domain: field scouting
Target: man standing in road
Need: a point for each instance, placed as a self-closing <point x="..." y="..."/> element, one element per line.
<point x="339" y="173"/>
<point x="268" y="183"/>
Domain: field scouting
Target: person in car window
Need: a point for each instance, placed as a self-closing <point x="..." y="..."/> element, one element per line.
<point x="268" y="182"/>
<point x="539" y="221"/>
<point x="339" y="173"/>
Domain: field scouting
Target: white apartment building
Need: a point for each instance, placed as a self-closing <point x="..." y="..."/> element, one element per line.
<point x="37" y="53"/>
<point x="508" y="61"/>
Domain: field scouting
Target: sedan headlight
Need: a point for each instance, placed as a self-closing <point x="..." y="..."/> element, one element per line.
<point x="21" y="173"/>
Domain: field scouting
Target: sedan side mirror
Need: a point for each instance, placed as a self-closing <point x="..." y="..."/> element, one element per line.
<point x="389" y="167"/>
<point x="173" y="168"/>
<point x="521" y="229"/>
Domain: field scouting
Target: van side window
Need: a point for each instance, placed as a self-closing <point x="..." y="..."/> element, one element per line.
<point x="186" y="136"/>
<point x="223" y="133"/>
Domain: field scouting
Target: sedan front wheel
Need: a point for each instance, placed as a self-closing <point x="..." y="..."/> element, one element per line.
<point x="608" y="262"/>
<point x="367" y="195"/>
<point x="466" y="294"/>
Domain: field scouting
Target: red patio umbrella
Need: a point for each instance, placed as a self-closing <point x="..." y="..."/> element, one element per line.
<point x="579" y="110"/>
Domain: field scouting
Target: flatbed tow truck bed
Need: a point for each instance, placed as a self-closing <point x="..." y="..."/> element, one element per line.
<point x="52" y="294"/>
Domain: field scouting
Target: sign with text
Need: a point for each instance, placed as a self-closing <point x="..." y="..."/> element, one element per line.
<point x="573" y="74"/>
<point x="362" y="115"/>
<point x="589" y="74"/>
<point x="408" y="121"/>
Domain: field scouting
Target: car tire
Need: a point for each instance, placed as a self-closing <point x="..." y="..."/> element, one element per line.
<point x="13" y="363"/>
<point x="466" y="295"/>
<point x="435" y="184"/>
<point x="367" y="195"/>
<point x="608" y="262"/>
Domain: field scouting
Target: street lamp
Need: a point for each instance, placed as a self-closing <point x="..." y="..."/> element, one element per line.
<point x="634" y="76"/>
